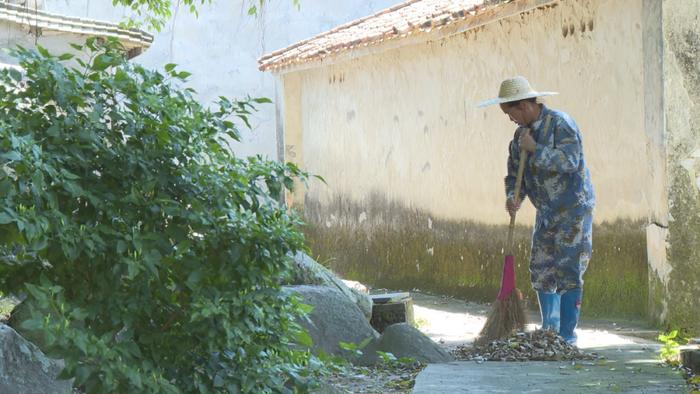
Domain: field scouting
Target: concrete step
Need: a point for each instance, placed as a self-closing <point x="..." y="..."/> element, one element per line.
<point x="627" y="369"/>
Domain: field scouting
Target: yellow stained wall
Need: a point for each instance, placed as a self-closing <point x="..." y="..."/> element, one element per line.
<point x="414" y="194"/>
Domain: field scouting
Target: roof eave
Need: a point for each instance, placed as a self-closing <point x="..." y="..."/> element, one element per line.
<point x="130" y="38"/>
<point x="416" y="36"/>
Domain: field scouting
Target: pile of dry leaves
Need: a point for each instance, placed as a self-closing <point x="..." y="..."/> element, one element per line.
<point x="538" y="345"/>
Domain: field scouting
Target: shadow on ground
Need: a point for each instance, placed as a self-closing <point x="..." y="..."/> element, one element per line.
<point x="630" y="365"/>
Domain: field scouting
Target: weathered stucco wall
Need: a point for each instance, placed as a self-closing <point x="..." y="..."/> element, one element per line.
<point x="680" y="284"/>
<point x="414" y="170"/>
<point x="655" y="131"/>
<point x="13" y="34"/>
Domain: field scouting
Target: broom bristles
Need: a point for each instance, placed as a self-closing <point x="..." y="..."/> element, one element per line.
<point x="504" y="317"/>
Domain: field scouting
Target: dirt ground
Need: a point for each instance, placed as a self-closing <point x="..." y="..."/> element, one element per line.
<point x="452" y="322"/>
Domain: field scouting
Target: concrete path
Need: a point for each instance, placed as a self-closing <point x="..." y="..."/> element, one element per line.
<point x="631" y="364"/>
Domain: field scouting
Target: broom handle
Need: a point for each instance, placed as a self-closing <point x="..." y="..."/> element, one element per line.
<point x="516" y="197"/>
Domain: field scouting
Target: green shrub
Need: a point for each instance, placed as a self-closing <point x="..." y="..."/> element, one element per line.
<point x="671" y="350"/>
<point x="150" y="254"/>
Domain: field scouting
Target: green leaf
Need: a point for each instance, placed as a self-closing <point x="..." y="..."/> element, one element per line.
<point x="36" y="292"/>
<point x="152" y="259"/>
<point x="121" y="246"/>
<point x="194" y="278"/>
<point x="132" y="269"/>
<point x="15" y="74"/>
<point x="365" y="342"/>
<point x="5" y="218"/>
<point x="69" y="175"/>
<point x="347" y="346"/>
<point x="102" y="62"/>
<point x="218" y="381"/>
<point x="78" y="314"/>
<point x="81" y="344"/>
<point x="73" y="188"/>
<point x="303" y="338"/>
<point x="82" y="374"/>
<point x="32" y="324"/>
<point x="305" y="308"/>
<point x="11" y="156"/>
<point x="183" y="75"/>
<point x="65" y="374"/>
<point x="43" y="51"/>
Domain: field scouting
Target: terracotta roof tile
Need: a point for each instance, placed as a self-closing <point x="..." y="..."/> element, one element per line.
<point x="395" y="22"/>
<point x="131" y="38"/>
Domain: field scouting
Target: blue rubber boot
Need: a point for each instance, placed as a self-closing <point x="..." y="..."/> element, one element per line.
<point x="550" y="310"/>
<point x="570" y="311"/>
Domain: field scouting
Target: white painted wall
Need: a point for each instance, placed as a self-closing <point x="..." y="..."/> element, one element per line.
<point x="12" y="35"/>
<point x="222" y="45"/>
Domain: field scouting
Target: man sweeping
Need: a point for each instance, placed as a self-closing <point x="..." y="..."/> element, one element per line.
<point x="557" y="182"/>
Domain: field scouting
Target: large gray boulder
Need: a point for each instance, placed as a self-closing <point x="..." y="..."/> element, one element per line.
<point x="404" y="340"/>
<point x="309" y="272"/>
<point x="334" y="318"/>
<point x="25" y="369"/>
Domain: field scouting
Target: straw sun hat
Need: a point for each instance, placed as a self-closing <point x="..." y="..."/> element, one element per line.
<point x="514" y="89"/>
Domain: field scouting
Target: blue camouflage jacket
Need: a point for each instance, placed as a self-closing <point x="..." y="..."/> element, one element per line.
<point x="556" y="179"/>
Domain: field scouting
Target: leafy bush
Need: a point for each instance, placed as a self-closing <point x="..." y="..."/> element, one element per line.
<point x="671" y="349"/>
<point x="150" y="254"/>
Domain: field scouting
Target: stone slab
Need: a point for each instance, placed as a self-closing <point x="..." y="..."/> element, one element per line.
<point x="629" y="369"/>
<point x="389" y="297"/>
<point x="691" y="359"/>
<point x="384" y="315"/>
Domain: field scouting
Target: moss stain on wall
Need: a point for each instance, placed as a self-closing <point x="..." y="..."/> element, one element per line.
<point x="682" y="68"/>
<point x="657" y="293"/>
<point x="684" y="254"/>
<point x="387" y="245"/>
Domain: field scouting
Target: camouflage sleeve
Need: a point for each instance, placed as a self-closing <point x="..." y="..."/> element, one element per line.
<point x="565" y="155"/>
<point x="513" y="161"/>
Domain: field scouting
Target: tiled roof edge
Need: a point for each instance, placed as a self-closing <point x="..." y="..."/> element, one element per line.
<point x="337" y="29"/>
<point x="49" y="21"/>
<point x="479" y="15"/>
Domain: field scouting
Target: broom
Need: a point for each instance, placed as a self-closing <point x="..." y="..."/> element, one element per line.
<point x="507" y="312"/>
